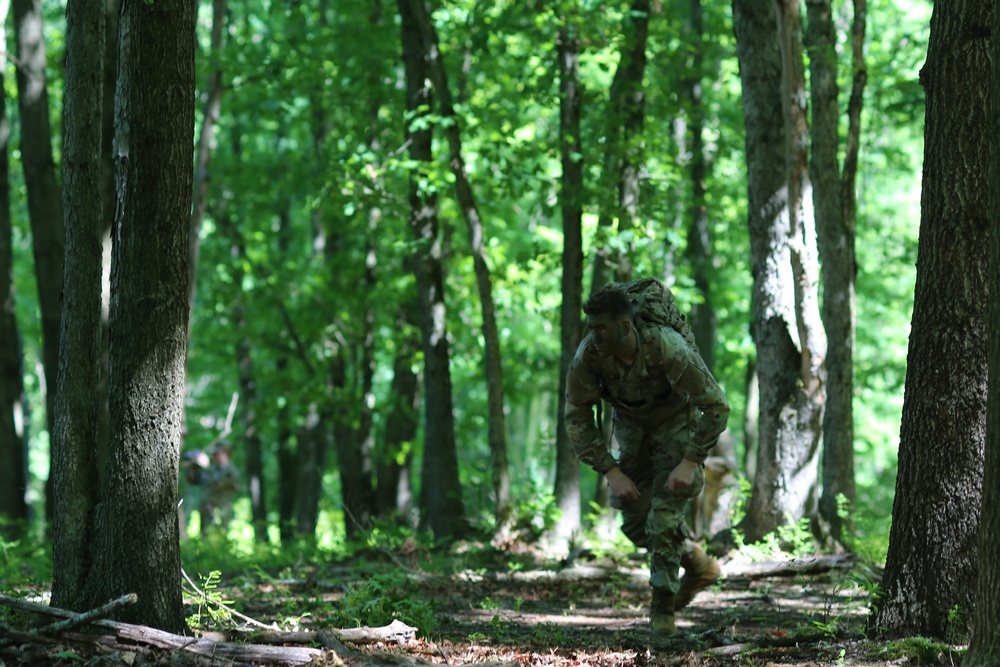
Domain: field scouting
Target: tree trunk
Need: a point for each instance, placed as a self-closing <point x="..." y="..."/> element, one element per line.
<point x="137" y="529"/>
<point x="13" y="445"/>
<point x="393" y="494"/>
<point x="256" y="484"/>
<point x="466" y="200"/>
<point x="443" y="508"/>
<point x="786" y="327"/>
<point x="74" y="439"/>
<point x="939" y="482"/>
<point x="567" y="483"/>
<point x="984" y="647"/>
<point x="108" y="200"/>
<point x="623" y="129"/>
<point x="699" y="236"/>
<point x="836" y="247"/>
<point x="311" y="455"/>
<point x="44" y="196"/>
<point x="206" y="140"/>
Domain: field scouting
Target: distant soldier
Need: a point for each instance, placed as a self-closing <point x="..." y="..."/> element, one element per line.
<point x="219" y="486"/>
<point x="194" y="467"/>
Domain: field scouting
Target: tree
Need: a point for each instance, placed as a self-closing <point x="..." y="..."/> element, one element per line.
<point x="984" y="647"/>
<point x="423" y="22"/>
<point x="154" y="134"/>
<point x="440" y="488"/>
<point x="833" y="199"/>
<point x="13" y="444"/>
<point x="74" y="439"/>
<point x="44" y="200"/>
<point x="786" y="328"/>
<point x="939" y="483"/>
<point x="567" y="483"/>
<point x="624" y="119"/>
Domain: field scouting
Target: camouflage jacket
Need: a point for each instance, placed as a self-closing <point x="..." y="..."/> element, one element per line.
<point x="666" y="378"/>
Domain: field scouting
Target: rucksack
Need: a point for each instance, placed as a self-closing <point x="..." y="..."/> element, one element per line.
<point x="654" y="303"/>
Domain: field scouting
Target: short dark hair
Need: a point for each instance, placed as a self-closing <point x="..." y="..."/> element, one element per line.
<point x="609" y="301"/>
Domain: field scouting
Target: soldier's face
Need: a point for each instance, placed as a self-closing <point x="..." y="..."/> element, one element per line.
<point x="610" y="334"/>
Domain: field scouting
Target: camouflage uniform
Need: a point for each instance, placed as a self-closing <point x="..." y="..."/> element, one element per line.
<point x="667" y="407"/>
<point x="220" y="484"/>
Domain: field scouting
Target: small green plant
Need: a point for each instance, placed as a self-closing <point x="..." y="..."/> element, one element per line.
<point x="380" y="599"/>
<point x="211" y="607"/>
<point x="920" y="651"/>
<point x="957" y="625"/>
<point x="489" y="603"/>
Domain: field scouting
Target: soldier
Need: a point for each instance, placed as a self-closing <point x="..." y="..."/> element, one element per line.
<point x="194" y="465"/>
<point x="220" y="483"/>
<point x="668" y="413"/>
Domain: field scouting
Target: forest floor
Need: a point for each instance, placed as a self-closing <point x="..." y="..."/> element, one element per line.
<point x="516" y="609"/>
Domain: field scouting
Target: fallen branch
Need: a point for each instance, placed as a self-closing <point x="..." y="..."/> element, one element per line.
<point x="790" y="568"/>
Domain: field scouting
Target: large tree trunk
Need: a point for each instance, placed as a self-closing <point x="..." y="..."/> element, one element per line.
<point x="44" y="196"/>
<point x="836" y="247"/>
<point x="567" y="483"/>
<point x="496" y="432"/>
<point x="786" y="327"/>
<point x="74" y="439"/>
<point x="443" y="508"/>
<point x="14" y="473"/>
<point x="137" y="529"/>
<point x="939" y="483"/>
<point x="619" y="191"/>
<point x="984" y="647"/>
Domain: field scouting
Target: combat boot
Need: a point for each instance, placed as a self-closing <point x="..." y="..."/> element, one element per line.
<point x="661" y="614"/>
<point x="700" y="572"/>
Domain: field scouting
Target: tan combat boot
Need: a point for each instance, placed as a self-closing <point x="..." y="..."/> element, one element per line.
<point x="661" y="615"/>
<point x="700" y="572"/>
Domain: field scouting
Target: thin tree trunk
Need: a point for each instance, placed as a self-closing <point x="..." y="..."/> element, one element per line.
<point x="496" y="431"/>
<point x="256" y="482"/>
<point x="137" y="529"/>
<point x="939" y="482"/>
<point x="836" y="247"/>
<point x="393" y="495"/>
<point x="13" y="445"/>
<point x="443" y="508"/>
<point x="699" y="237"/>
<point x="44" y="195"/>
<point x="567" y="483"/>
<point x="623" y="128"/>
<point x="74" y="440"/>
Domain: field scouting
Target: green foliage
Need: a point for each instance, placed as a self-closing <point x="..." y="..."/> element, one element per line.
<point x="921" y="651"/>
<point x="211" y="609"/>
<point x="382" y="598"/>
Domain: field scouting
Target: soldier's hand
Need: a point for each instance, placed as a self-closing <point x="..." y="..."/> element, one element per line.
<point x="682" y="477"/>
<point x="621" y="485"/>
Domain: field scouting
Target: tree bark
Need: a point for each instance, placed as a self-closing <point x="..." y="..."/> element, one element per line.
<point x="984" y="646"/>
<point x="393" y="493"/>
<point x="13" y="444"/>
<point x="496" y="431"/>
<point x="137" y="529"/>
<point x="44" y="195"/>
<point x="567" y="482"/>
<point x="836" y="247"/>
<point x="619" y="191"/>
<point x="74" y="439"/>
<point x="939" y="482"/>
<point x="699" y="236"/>
<point x="786" y="327"/>
<point x="256" y="481"/>
<point x="444" y="509"/>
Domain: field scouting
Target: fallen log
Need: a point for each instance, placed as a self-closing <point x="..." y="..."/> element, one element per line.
<point x="790" y="568"/>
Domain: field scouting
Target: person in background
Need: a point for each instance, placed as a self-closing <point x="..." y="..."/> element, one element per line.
<point x="220" y="483"/>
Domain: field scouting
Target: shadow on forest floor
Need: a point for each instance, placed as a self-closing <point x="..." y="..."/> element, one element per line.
<point x="513" y="609"/>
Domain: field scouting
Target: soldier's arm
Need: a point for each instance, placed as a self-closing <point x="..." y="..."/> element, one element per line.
<point x="582" y="396"/>
<point x="688" y="375"/>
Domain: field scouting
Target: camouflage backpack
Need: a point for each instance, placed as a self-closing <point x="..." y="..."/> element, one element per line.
<point x="654" y="303"/>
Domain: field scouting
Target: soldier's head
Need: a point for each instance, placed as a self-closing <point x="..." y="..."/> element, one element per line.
<point x="609" y="317"/>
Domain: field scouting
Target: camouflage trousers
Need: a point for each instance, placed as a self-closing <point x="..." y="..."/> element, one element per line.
<point x="649" y="452"/>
